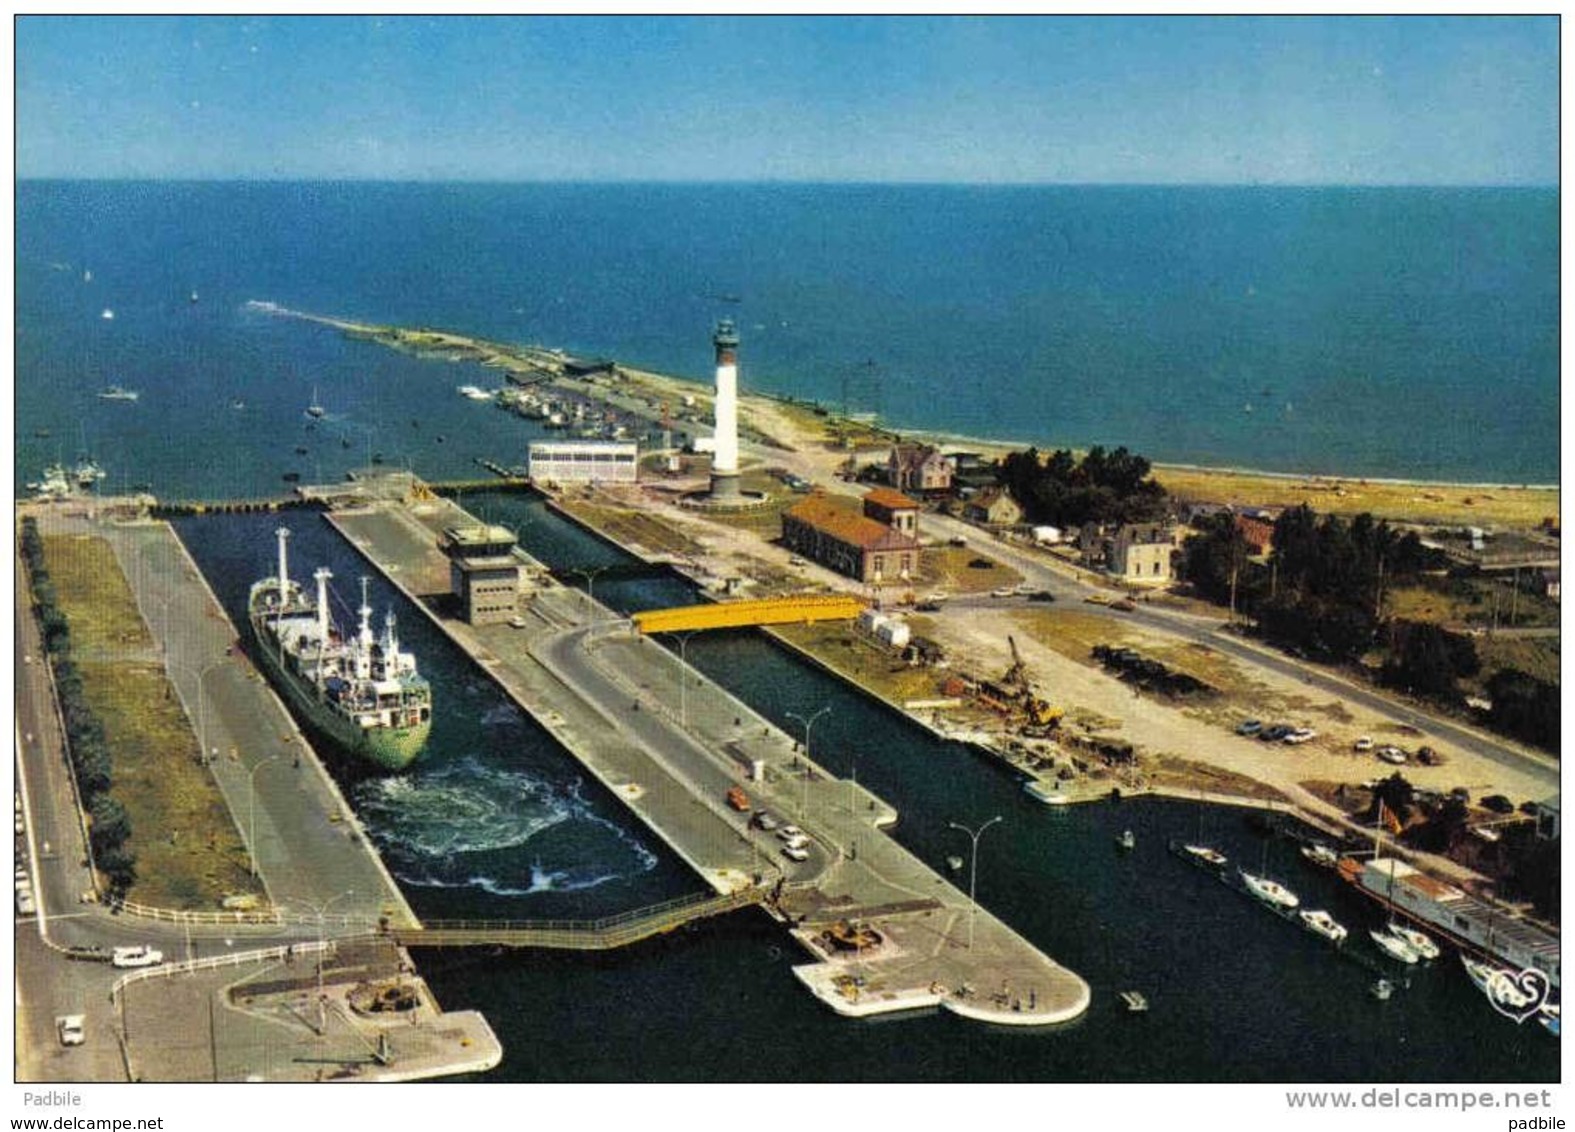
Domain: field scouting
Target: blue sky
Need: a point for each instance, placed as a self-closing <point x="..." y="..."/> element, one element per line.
<point x="1053" y="99"/>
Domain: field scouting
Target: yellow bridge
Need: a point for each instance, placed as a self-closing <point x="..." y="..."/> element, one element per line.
<point x="764" y="611"/>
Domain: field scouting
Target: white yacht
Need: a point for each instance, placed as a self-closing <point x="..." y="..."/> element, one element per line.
<point x="1206" y="855"/>
<point x="1394" y="947"/>
<point x="1325" y="925"/>
<point x="1321" y="855"/>
<point x="1420" y="942"/>
<point x="1271" y="892"/>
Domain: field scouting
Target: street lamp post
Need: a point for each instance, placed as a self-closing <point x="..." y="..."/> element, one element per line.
<point x="973" y="869"/>
<point x="251" y="798"/>
<point x="589" y="574"/>
<point x="322" y="946"/>
<point x="808" y="723"/>
<point x="202" y="702"/>
<point x="683" y="675"/>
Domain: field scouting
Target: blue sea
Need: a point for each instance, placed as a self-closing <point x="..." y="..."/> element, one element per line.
<point x="1377" y="332"/>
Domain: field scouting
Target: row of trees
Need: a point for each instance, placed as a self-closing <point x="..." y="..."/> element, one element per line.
<point x="1323" y="585"/>
<point x="1102" y="487"/>
<point x="1321" y="591"/>
<point x="109" y="827"/>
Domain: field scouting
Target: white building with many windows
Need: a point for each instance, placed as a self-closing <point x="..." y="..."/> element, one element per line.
<point x="584" y="461"/>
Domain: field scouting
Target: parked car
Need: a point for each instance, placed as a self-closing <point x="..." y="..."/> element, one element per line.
<point x="1497" y="803"/>
<point x="1123" y="605"/>
<point x="795" y="853"/>
<point x="1041" y="595"/>
<point x="763" y="820"/>
<point x="70" y="1029"/>
<point x="140" y="956"/>
<point x="1249" y="727"/>
<point x="1274" y="734"/>
<point x="927" y="607"/>
<point x="1427" y="756"/>
<point x="1300" y="735"/>
<point x="1003" y="593"/>
<point x="1363" y="743"/>
<point x="1392" y="755"/>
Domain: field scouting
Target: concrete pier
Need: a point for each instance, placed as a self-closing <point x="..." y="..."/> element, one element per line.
<point x="183" y="1021"/>
<point x="669" y="744"/>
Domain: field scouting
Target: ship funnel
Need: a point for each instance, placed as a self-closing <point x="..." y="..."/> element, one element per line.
<point x="322" y="576"/>
<point x="284" y="563"/>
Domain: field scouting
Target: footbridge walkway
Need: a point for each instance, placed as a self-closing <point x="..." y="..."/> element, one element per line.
<point x="577" y="935"/>
<point x="763" y="611"/>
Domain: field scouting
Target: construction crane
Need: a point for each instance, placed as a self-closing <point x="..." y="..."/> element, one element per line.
<point x="1040" y="712"/>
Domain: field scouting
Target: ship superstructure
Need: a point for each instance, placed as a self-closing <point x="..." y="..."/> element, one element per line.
<point x="362" y="690"/>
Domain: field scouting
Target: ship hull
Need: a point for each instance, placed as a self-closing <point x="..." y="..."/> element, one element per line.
<point x="385" y="748"/>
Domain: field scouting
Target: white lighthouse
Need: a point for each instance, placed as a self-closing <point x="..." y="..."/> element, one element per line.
<point x="724" y="464"/>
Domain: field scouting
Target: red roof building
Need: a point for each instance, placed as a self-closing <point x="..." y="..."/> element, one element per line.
<point x="1259" y="533"/>
<point x="877" y="544"/>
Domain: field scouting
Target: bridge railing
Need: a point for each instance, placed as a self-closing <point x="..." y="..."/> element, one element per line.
<point x="212" y="962"/>
<point x="676" y="911"/>
<point x="184" y="916"/>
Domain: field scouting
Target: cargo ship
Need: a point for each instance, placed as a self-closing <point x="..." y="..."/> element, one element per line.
<point x="360" y="691"/>
<point x="1473" y="925"/>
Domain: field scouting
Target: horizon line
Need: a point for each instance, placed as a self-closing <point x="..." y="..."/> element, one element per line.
<point x="776" y="181"/>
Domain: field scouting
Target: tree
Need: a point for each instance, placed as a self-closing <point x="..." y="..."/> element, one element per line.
<point x="1428" y="659"/>
<point x="119" y="866"/>
<point x="110" y="826"/>
<point x="1397" y="796"/>
<point x="1525" y="707"/>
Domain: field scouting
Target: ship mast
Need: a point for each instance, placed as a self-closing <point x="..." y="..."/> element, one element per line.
<point x="322" y="575"/>
<point x="366" y="617"/>
<point x="284" y="590"/>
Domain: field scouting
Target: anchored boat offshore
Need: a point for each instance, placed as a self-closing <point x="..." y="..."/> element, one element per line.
<point x="361" y="691"/>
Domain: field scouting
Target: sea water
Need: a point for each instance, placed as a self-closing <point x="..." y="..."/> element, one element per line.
<point x="1407" y="332"/>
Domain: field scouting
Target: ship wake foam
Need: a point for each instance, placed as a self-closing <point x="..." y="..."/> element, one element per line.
<point x="471" y="825"/>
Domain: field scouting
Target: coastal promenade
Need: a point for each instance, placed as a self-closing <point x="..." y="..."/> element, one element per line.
<point x="322" y="876"/>
<point x="669" y="744"/>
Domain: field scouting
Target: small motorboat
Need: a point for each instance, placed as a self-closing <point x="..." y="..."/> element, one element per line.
<point x="955" y="864"/>
<point x="1394" y="947"/>
<point x="1382" y="989"/>
<point x="1321" y="855"/>
<point x="1126" y="840"/>
<point x="1420" y="942"/>
<point x="1136" y="1002"/>
<point x="1320" y="922"/>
